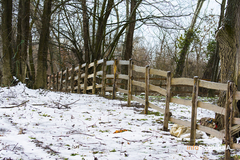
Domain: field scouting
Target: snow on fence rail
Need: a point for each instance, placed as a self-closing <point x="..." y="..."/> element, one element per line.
<point x="86" y="77"/>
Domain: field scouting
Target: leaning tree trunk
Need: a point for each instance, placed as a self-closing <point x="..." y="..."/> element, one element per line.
<point x="25" y="36"/>
<point x="41" y="79"/>
<point x="187" y="41"/>
<point x="228" y="38"/>
<point x="128" y="46"/>
<point x="6" y="41"/>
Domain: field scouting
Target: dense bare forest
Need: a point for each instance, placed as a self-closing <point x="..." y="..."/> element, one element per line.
<point x="43" y="37"/>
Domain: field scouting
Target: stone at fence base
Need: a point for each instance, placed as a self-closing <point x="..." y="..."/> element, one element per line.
<point x="181" y="131"/>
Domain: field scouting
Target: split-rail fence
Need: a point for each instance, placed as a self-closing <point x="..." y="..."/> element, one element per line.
<point x="77" y="78"/>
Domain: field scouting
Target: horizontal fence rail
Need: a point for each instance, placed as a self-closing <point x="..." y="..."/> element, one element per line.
<point x="104" y="76"/>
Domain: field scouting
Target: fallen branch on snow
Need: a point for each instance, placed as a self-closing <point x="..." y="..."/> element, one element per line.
<point x="19" y="105"/>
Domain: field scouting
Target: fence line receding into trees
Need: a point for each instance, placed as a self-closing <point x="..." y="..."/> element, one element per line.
<point x="93" y="77"/>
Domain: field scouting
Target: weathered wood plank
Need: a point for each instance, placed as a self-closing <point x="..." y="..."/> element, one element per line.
<point x="158" y="89"/>
<point x="76" y="68"/>
<point x="211" y="131"/>
<point x="99" y="73"/>
<point x="139" y="100"/>
<point x="110" y="76"/>
<point x="75" y="78"/>
<point x="123" y="76"/>
<point x="138" y="69"/>
<point x="110" y="62"/>
<point x="99" y="86"/>
<point x="237" y="95"/>
<point x="100" y="61"/>
<point x="140" y="84"/>
<point x="236" y="121"/>
<point x="91" y="65"/>
<point x="182" y="81"/>
<point x="212" y="107"/>
<point x="89" y="87"/>
<point x="158" y="72"/>
<point x="123" y="62"/>
<point x="122" y="90"/>
<point x="181" y="101"/>
<point x="83" y="65"/>
<point x="90" y="75"/>
<point x="213" y="85"/>
<point x="109" y="89"/>
<point x="83" y="75"/>
<point x="153" y="106"/>
<point x="180" y="122"/>
<point x="235" y="146"/>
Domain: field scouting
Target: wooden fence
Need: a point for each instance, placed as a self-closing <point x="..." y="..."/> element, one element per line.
<point x="87" y="78"/>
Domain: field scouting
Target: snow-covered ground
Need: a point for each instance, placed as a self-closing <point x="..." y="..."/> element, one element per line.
<point x="40" y="124"/>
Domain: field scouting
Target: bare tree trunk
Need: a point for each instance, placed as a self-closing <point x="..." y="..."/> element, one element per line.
<point x="30" y="49"/>
<point x="228" y="37"/>
<point x="25" y="36"/>
<point x="41" y="79"/>
<point x="17" y="55"/>
<point x="6" y="40"/>
<point x="102" y="21"/>
<point x="130" y="33"/>
<point x="85" y="31"/>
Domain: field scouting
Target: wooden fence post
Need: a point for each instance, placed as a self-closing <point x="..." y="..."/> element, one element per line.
<point x="146" y="89"/>
<point x="130" y="78"/>
<point x="49" y="82"/>
<point x="115" y="78"/>
<point x="53" y="81"/>
<point x="104" y="69"/>
<point x="85" y="79"/>
<point x="61" y="81"/>
<point x="194" y="111"/>
<point x="228" y="119"/>
<point x="66" y="80"/>
<point x="79" y="79"/>
<point x="168" y="98"/>
<point x="72" y="78"/>
<point x="57" y="81"/>
<point x="94" y="77"/>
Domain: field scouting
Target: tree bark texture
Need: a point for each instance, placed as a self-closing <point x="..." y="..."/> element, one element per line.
<point x="6" y="42"/>
<point x="130" y="32"/>
<point x="24" y="36"/>
<point x="102" y="21"/>
<point x="228" y="37"/>
<point x="85" y="31"/>
<point x="41" y="79"/>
